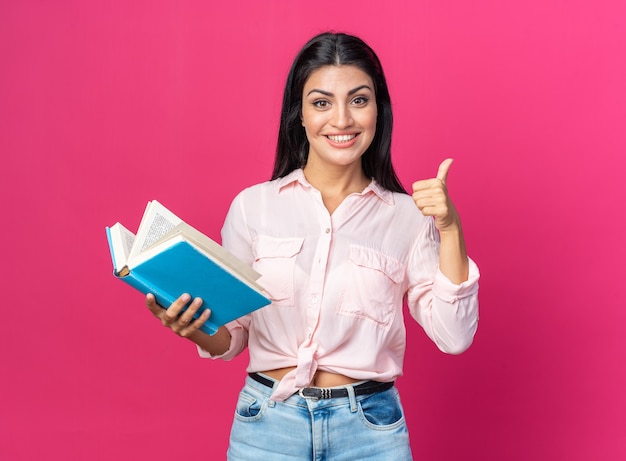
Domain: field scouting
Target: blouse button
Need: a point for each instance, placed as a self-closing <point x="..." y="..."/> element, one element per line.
<point x="327" y="230"/>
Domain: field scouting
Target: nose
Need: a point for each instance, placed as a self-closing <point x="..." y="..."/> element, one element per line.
<point x="342" y="117"/>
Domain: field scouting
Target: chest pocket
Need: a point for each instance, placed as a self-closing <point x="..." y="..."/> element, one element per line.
<point x="275" y="260"/>
<point x="372" y="291"/>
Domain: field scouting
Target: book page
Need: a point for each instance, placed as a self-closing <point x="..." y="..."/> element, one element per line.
<point x="128" y="239"/>
<point x="156" y="222"/>
<point x="158" y="228"/>
<point x="121" y="244"/>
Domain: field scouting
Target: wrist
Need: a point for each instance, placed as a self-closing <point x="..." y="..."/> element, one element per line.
<point x="452" y="229"/>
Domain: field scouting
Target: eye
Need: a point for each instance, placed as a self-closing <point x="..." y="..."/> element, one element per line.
<point x="360" y="101"/>
<point x="321" y="103"/>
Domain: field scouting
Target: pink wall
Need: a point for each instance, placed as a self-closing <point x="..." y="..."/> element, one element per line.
<point x="105" y="105"/>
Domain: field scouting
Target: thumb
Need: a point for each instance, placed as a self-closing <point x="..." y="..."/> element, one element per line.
<point x="442" y="173"/>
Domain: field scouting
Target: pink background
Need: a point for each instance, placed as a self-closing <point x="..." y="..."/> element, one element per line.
<point x="106" y="105"/>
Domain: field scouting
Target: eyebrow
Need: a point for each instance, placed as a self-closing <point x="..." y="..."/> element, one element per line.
<point x="330" y="95"/>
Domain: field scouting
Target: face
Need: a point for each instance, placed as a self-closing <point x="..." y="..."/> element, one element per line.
<point x="339" y="115"/>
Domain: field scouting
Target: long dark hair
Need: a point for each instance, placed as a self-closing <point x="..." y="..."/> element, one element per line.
<point x="334" y="49"/>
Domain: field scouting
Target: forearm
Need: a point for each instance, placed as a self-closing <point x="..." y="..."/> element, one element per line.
<point x="453" y="261"/>
<point x="216" y="344"/>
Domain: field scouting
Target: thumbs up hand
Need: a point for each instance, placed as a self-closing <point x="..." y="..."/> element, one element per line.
<point x="431" y="197"/>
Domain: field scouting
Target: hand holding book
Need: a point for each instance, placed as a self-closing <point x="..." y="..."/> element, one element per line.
<point x="187" y="323"/>
<point x="168" y="258"/>
<point x="179" y="318"/>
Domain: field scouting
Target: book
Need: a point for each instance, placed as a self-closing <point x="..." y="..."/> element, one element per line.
<point x="168" y="257"/>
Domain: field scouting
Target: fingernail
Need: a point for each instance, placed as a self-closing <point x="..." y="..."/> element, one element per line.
<point x="185" y="298"/>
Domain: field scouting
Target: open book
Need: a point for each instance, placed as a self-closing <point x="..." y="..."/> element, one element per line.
<point x="168" y="257"/>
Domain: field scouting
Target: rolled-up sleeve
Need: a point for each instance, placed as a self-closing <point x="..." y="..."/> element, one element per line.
<point x="447" y="312"/>
<point x="238" y="341"/>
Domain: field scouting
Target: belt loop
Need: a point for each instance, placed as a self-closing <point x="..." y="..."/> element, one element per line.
<point x="352" y="397"/>
<point x="271" y="403"/>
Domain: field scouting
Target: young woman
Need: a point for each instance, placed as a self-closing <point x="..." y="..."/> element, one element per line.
<point x="340" y="245"/>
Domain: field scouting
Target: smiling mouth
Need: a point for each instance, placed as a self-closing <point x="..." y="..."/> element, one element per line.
<point x="342" y="138"/>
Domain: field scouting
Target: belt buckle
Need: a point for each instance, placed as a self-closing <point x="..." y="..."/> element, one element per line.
<point x="314" y="393"/>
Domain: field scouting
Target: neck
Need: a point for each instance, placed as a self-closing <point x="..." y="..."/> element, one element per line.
<point x="333" y="180"/>
<point x="335" y="184"/>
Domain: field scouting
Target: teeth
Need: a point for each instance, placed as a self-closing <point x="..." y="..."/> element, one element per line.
<point x="342" y="138"/>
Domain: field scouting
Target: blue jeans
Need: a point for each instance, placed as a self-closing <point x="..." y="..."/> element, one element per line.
<point x="354" y="428"/>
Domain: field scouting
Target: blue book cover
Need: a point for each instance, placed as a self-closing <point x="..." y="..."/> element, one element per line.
<point x="180" y="265"/>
